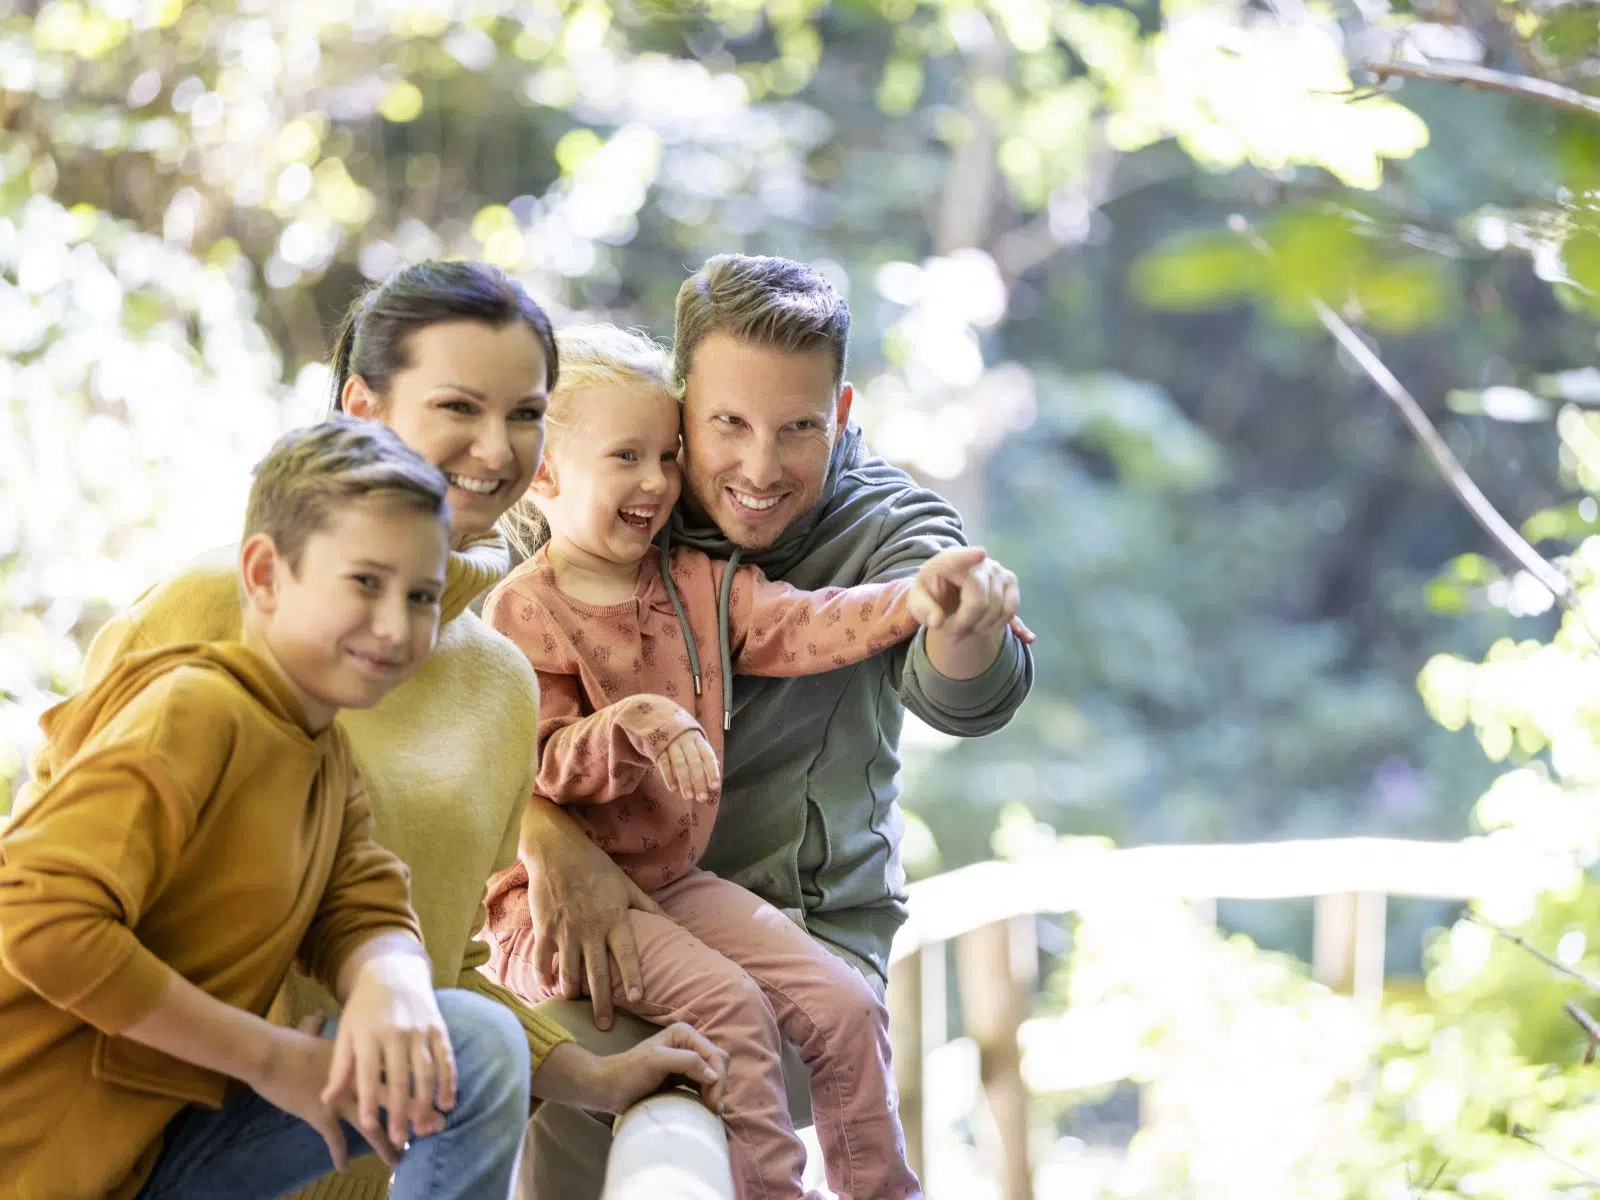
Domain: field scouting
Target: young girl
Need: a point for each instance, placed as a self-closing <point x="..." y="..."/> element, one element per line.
<point x="632" y="659"/>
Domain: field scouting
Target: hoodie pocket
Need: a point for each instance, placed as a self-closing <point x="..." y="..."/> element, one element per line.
<point x="129" y="1064"/>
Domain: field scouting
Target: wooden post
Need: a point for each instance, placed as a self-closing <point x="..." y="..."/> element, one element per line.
<point x="996" y="967"/>
<point x="905" y="1001"/>
<point x="1348" y="945"/>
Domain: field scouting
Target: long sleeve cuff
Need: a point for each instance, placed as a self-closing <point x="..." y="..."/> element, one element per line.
<point x="968" y="707"/>
<point x="123" y="995"/>
<point x="543" y="1034"/>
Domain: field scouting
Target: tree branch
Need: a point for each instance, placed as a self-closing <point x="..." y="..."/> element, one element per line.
<point x="1591" y="1030"/>
<point x="1443" y="457"/>
<point x="1528" y="88"/>
<point x="1520" y="1132"/>
<point x="1554" y="964"/>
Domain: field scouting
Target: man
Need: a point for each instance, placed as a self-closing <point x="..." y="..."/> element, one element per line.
<point x="775" y="475"/>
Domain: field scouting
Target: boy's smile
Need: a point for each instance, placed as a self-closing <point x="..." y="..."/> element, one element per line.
<point x="359" y="612"/>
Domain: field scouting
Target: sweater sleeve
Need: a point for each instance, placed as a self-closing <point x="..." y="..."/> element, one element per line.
<point x="78" y="867"/>
<point x="367" y="893"/>
<point x="606" y="755"/>
<point x="915" y="528"/>
<point x="543" y="1034"/>
<point x="776" y="630"/>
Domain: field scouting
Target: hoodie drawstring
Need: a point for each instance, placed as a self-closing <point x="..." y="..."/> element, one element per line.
<point x="725" y="657"/>
<point x="677" y="606"/>
<point x="722" y="640"/>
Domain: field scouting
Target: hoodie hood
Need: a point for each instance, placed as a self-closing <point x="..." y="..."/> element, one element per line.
<point x="74" y="721"/>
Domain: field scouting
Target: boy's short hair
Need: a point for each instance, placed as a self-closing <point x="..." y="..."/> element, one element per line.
<point x="764" y="301"/>
<point x="311" y="472"/>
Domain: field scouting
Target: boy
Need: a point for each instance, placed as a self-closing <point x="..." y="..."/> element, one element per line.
<point x="197" y="827"/>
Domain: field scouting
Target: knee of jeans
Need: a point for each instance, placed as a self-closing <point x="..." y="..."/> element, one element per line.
<point x="846" y="1004"/>
<point x="737" y="991"/>
<point x="491" y="1049"/>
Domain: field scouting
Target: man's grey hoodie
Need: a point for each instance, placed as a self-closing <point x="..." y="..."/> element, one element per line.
<point x="810" y="819"/>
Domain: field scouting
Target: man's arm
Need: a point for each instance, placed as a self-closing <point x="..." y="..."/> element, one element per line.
<point x="966" y="685"/>
<point x="578" y="900"/>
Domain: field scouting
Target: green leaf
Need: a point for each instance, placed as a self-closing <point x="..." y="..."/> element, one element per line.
<point x="1571" y="31"/>
<point x="1401" y="297"/>
<point x="1581" y="254"/>
<point x="1197" y="271"/>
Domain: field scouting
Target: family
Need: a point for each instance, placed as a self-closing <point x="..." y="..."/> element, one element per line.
<point x="314" y="869"/>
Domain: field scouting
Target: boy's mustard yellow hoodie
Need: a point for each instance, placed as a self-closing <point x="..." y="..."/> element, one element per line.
<point x="183" y="819"/>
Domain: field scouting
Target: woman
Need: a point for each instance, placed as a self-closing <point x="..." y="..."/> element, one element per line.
<point x="458" y="360"/>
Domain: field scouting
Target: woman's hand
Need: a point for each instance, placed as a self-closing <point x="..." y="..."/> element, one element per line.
<point x="575" y="1077"/>
<point x="678" y="1051"/>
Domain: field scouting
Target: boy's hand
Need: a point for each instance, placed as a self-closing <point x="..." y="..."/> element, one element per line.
<point x="295" y="1073"/>
<point x="689" y="766"/>
<point x="678" y="1050"/>
<point x="393" y="1051"/>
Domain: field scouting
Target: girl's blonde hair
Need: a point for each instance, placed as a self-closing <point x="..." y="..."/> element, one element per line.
<point x="591" y="356"/>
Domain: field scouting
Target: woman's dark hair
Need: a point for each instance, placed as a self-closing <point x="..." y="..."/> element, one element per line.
<point x="374" y="336"/>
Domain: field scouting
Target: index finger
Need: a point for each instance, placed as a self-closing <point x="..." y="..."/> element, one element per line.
<point x="626" y="955"/>
<point x="342" y="1070"/>
<point x="376" y="1137"/>
<point x="333" y="1134"/>
<point x="974" y="602"/>
<point x="595" y="960"/>
<point x="444" y="1063"/>
<point x="955" y="561"/>
<point x="924" y="609"/>
<point x="711" y="1072"/>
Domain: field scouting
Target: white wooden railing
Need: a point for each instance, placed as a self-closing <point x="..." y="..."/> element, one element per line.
<point x="988" y="910"/>
<point x="668" y="1147"/>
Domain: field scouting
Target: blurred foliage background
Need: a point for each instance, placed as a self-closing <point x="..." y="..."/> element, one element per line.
<point x="1240" y="567"/>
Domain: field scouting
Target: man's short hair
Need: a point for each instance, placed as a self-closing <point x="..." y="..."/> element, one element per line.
<point x="312" y="472"/>
<point x="765" y="301"/>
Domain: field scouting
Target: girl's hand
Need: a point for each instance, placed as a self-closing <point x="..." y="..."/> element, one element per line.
<point x="393" y="1051"/>
<point x="689" y="767"/>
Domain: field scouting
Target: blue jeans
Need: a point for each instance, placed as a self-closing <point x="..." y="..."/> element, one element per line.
<point x="250" y="1150"/>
